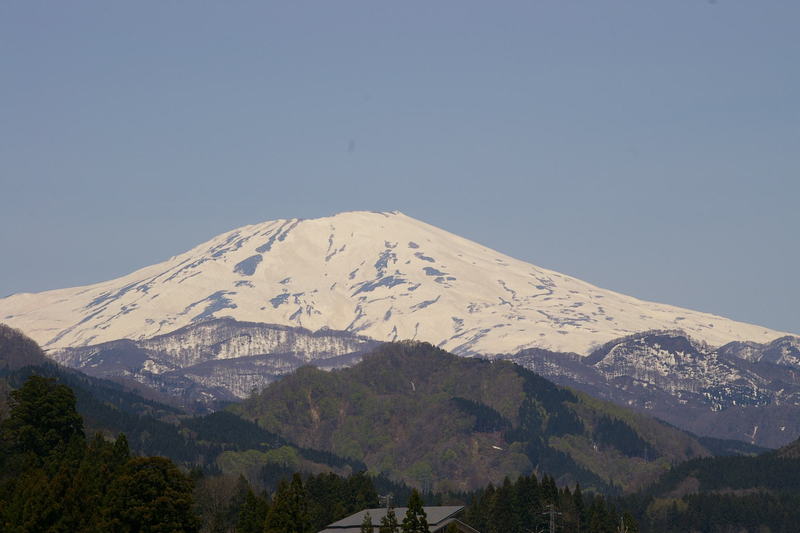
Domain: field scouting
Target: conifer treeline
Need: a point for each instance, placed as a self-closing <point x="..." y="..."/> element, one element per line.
<point x="529" y="505"/>
<point x="752" y="494"/>
<point x="303" y="505"/>
<point x="307" y="505"/>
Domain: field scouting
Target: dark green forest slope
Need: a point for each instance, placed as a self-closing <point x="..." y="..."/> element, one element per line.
<point x="443" y="422"/>
<point x="735" y="493"/>
<point x="216" y="443"/>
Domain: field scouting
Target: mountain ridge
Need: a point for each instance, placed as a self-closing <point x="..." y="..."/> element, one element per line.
<point x="383" y="275"/>
<point x="423" y="416"/>
<point x="216" y="360"/>
<point x="742" y="391"/>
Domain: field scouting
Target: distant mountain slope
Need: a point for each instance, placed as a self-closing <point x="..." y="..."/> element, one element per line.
<point x="444" y="422"/>
<point x="216" y="360"/>
<point x="743" y="391"/>
<point x="384" y="275"/>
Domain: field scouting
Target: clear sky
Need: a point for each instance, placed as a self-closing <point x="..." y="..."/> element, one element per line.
<point x="652" y="148"/>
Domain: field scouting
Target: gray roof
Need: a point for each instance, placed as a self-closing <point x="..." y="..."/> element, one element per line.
<point x="436" y="516"/>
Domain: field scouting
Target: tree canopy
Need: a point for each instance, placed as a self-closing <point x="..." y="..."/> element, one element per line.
<point x="43" y="417"/>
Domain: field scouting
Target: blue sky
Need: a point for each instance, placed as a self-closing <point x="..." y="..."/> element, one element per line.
<point x="647" y="147"/>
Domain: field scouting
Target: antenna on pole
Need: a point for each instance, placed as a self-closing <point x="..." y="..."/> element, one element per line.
<point x="387" y="500"/>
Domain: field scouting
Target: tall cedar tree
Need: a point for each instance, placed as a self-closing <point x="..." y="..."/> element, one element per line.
<point x="289" y="511"/>
<point x="150" y="494"/>
<point x="389" y="522"/>
<point x="252" y="514"/>
<point x="415" y="521"/>
<point x="43" y="417"/>
<point x="366" y="524"/>
<point x="52" y="480"/>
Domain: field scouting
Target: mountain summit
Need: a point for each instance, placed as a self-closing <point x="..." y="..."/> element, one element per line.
<point x="380" y="274"/>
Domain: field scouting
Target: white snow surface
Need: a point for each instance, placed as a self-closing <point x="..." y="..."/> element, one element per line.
<point x="383" y="275"/>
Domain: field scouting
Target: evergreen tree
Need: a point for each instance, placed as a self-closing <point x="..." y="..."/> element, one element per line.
<point x="549" y="490"/>
<point x="289" y="511"/>
<point x="121" y="452"/>
<point x="366" y="524"/>
<point x="361" y="492"/>
<point x="504" y="510"/>
<point x="52" y="480"/>
<point x="527" y="498"/>
<point x="43" y="417"/>
<point x="29" y="506"/>
<point x="252" y="514"/>
<point x="580" y="508"/>
<point x="474" y="513"/>
<point x="150" y="494"/>
<point x="415" y="521"/>
<point x="628" y="524"/>
<point x="599" y="519"/>
<point x="389" y="522"/>
<point x="100" y="465"/>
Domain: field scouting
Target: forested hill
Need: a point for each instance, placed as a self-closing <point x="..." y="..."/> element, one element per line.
<point x="443" y="422"/>
<point x="17" y="350"/>
<point x="218" y="442"/>
<point x="734" y="493"/>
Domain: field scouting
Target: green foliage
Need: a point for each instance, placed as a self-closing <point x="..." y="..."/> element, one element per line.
<point x="220" y="500"/>
<point x="289" y="511"/>
<point x="43" y="417"/>
<point x="157" y="429"/>
<point x="734" y="493"/>
<point x="415" y="520"/>
<point x="487" y="420"/>
<point x="53" y="480"/>
<point x="332" y="497"/>
<point x="232" y="432"/>
<point x="716" y="512"/>
<point x="149" y="494"/>
<point x="366" y="524"/>
<point x="526" y="505"/>
<point x="17" y="350"/>
<point x="767" y="472"/>
<point x="252" y="514"/>
<point x="389" y="523"/>
<point x="105" y="406"/>
<point x="437" y="421"/>
<point x="616" y="433"/>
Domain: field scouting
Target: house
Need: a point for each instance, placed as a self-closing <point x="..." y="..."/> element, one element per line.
<point x="438" y="519"/>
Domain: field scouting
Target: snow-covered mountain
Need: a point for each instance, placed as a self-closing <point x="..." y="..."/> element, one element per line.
<point x="742" y="391"/>
<point x="216" y="360"/>
<point x="383" y="275"/>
